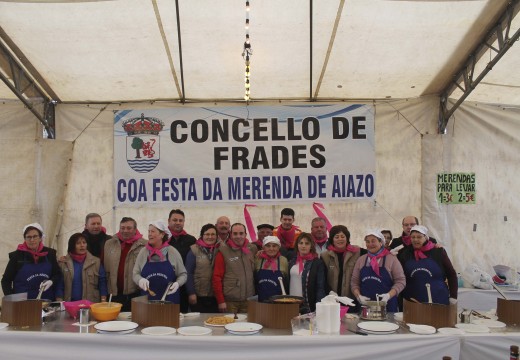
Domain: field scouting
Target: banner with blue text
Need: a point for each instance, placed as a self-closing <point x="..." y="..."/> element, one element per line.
<point x="265" y="154"/>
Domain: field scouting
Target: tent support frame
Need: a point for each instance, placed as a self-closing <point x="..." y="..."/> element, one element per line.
<point x="466" y="79"/>
<point x="21" y="83"/>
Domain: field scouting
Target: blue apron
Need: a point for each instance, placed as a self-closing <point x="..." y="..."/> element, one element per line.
<point x="29" y="278"/>
<point x="418" y="274"/>
<point x="371" y="284"/>
<point x="267" y="283"/>
<point x="159" y="274"/>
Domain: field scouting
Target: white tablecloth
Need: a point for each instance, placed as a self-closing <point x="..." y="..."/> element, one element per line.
<point x="478" y="299"/>
<point x="52" y="346"/>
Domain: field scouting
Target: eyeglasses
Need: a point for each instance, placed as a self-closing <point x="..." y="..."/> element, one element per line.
<point x="35" y="237"/>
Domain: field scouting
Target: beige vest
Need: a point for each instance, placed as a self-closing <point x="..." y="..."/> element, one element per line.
<point x="111" y="262"/>
<point x="238" y="283"/>
<point x="203" y="272"/>
<point x="89" y="277"/>
<point x="332" y="265"/>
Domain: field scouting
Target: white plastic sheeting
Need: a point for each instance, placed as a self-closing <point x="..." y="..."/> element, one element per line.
<point x="116" y="51"/>
<point x="481" y="138"/>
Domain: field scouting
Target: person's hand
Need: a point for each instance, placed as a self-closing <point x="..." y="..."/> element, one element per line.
<point x="62" y="259"/>
<point x="192" y="299"/>
<point x="144" y="284"/>
<point x="396" y="250"/>
<point x="438" y="246"/>
<point x="222" y="307"/>
<point x="384" y="297"/>
<point x="363" y="299"/>
<point x="173" y="288"/>
<point x="46" y="285"/>
<point x="453" y="301"/>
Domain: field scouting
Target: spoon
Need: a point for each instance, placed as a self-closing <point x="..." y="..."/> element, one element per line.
<point x="499" y="291"/>
<point x="39" y="297"/>
<point x="110" y="300"/>
<point x="166" y="291"/>
<point x="280" y="279"/>
<point x="151" y="292"/>
<point x="429" y="292"/>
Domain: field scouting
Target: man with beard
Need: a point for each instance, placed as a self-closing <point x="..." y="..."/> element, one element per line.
<point x="233" y="279"/>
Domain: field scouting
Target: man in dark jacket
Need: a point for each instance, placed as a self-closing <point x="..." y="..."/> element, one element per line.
<point x="95" y="234"/>
<point x="181" y="241"/>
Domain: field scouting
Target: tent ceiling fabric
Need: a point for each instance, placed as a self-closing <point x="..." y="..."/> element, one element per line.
<point x="111" y="51"/>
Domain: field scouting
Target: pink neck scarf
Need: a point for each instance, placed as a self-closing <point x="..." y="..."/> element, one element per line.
<point x="407" y="240"/>
<point x="270" y="262"/>
<point x="35" y="254"/>
<point x="78" y="258"/>
<point x="177" y="234"/>
<point x="320" y="242"/>
<point x="286" y="236"/>
<point x="419" y="253"/>
<point x="300" y="260"/>
<point x="242" y="248"/>
<point x="374" y="260"/>
<point x="156" y="251"/>
<point x="130" y="241"/>
<point x="349" y="248"/>
<point x="201" y="243"/>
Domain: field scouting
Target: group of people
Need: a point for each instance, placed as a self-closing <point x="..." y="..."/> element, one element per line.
<point x="222" y="269"/>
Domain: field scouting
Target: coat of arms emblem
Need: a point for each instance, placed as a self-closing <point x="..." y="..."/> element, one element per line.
<point x="142" y="143"/>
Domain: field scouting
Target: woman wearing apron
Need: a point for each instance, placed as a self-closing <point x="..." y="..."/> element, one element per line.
<point x="269" y="266"/>
<point x="32" y="266"/>
<point x="378" y="273"/>
<point x="424" y="263"/>
<point x="159" y="266"/>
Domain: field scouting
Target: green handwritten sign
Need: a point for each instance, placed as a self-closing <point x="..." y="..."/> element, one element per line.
<point x="456" y="188"/>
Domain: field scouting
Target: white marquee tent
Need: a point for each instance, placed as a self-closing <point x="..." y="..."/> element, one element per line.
<point x="92" y="57"/>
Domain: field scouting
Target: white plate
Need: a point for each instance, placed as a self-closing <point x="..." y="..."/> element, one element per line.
<point x="116" y="326"/>
<point x="244" y="332"/>
<point x="3" y="325"/>
<point x="450" y="331"/>
<point x="378" y="326"/>
<point x="159" y="330"/>
<point x="241" y="317"/>
<point x="243" y="327"/>
<point x="194" y="330"/>
<point x="124" y="316"/>
<point x="116" y="332"/>
<point x="215" y="325"/>
<point x="472" y="328"/>
<point x="191" y="314"/>
<point x="489" y="323"/>
<point x="422" y="329"/>
<point x="379" y="332"/>
<point x="398" y="316"/>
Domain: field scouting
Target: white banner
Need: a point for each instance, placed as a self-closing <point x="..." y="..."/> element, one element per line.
<point x="240" y="154"/>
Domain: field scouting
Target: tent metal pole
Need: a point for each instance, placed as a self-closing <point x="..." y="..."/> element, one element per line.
<point x="465" y="79"/>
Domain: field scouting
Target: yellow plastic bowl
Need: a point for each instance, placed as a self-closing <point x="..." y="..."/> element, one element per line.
<point x="103" y="312"/>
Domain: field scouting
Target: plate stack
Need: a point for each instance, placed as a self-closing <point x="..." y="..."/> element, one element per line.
<point x="378" y="327"/>
<point x="243" y="328"/>
<point x="116" y="327"/>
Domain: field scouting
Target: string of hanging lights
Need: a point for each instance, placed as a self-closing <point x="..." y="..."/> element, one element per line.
<point x="246" y="54"/>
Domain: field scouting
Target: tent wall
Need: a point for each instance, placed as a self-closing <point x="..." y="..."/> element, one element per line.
<point x="32" y="180"/>
<point x="409" y="153"/>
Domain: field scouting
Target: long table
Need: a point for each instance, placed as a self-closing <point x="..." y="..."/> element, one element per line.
<point x="59" y="339"/>
<point x="478" y="299"/>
